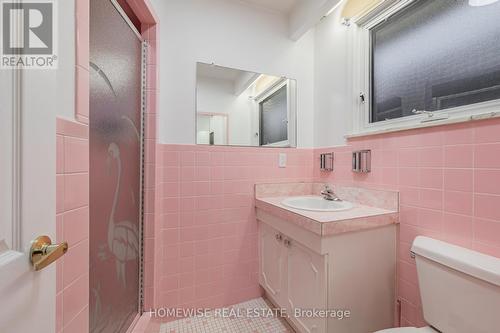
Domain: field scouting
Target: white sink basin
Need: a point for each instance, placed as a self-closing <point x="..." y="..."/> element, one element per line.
<point x="318" y="204"/>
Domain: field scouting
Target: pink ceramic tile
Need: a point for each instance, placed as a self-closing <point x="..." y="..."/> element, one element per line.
<point x="409" y="177"/>
<point x="75" y="299"/>
<point x="459" y="226"/>
<point x="152" y="77"/>
<point x="188" y="158"/>
<point x="171" y="189"/>
<point x="151" y="101"/>
<point x="202" y="173"/>
<point x="459" y="156"/>
<point x="458" y="202"/>
<point x="151" y="130"/>
<point x="76" y="225"/>
<point x="408" y="272"/>
<point x="487" y="156"/>
<point x="82" y="92"/>
<point x="80" y="324"/>
<point x="458" y="179"/>
<point x="408" y="158"/>
<point x="60" y="154"/>
<point x="76" y="262"/>
<point x="59" y="313"/>
<point x="432" y="199"/>
<point x="431" y="157"/>
<point x="71" y="128"/>
<point x="487" y="132"/>
<point x="430" y="219"/>
<point x="60" y="190"/>
<point x="487" y="206"/>
<point x="408" y="292"/>
<point x="409" y="196"/>
<point x="485" y="181"/>
<point x="203" y="159"/>
<point x="431" y="178"/>
<point x="491" y="250"/>
<point x="76" y="155"/>
<point x="76" y="191"/>
<point x="171" y="159"/>
<point x="487" y="231"/>
<point x="460" y="134"/>
<point x="390" y="176"/>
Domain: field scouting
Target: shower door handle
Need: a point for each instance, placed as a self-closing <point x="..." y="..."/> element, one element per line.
<point x="43" y="253"/>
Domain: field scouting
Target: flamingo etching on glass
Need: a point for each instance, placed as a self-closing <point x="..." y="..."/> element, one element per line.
<point x="123" y="239"/>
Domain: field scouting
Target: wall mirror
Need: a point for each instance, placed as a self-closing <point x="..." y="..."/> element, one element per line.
<point x="241" y="108"/>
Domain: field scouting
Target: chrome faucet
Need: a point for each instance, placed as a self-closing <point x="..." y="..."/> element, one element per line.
<point x="329" y="194"/>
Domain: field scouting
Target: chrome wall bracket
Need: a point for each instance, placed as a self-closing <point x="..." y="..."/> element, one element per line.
<point x="361" y="161"/>
<point x="326" y="162"/>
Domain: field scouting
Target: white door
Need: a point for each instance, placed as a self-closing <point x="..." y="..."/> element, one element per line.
<point x="271" y="262"/>
<point x="27" y="201"/>
<point x="306" y="286"/>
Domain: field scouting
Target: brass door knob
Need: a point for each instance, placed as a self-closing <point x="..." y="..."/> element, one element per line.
<point x="43" y="253"/>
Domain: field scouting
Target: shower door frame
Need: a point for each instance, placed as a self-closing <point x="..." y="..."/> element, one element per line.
<point x="144" y="55"/>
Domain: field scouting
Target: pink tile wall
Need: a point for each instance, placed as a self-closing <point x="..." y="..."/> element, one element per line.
<point x="208" y="230"/>
<point x="448" y="178"/>
<point x="72" y="220"/>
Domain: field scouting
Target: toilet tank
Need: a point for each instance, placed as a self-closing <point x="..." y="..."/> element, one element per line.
<point x="460" y="288"/>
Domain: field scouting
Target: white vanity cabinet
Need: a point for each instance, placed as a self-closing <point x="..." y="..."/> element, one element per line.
<point x="306" y="286"/>
<point x="272" y="260"/>
<point x="351" y="271"/>
<point x="294" y="277"/>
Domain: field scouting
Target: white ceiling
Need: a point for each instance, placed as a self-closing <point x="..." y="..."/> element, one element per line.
<point x="218" y="72"/>
<point x="281" y="6"/>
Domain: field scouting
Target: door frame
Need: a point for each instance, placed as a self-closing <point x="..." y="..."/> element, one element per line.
<point x="12" y="164"/>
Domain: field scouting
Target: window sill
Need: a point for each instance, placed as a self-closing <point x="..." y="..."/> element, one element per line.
<point x="407" y="127"/>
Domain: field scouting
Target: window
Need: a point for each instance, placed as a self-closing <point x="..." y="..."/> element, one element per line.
<point x="274" y="118"/>
<point x="430" y="60"/>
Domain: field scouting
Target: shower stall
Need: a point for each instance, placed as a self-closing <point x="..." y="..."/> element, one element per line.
<point x="117" y="75"/>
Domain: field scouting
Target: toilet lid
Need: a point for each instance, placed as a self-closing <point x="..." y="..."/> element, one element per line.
<point x="408" y="330"/>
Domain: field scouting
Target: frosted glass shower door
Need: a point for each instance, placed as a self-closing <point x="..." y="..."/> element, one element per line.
<point x="115" y="169"/>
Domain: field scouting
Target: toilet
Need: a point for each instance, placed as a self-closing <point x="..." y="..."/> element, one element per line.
<point x="460" y="289"/>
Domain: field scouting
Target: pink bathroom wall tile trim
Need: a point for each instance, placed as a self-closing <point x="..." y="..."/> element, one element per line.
<point x="445" y="177"/>
<point x="82" y="105"/>
<point x="71" y="129"/>
<point x="72" y="225"/>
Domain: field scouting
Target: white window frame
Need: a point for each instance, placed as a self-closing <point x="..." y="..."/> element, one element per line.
<point x="361" y="85"/>
<point x="290" y="109"/>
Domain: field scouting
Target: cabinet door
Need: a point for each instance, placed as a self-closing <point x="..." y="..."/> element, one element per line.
<point x="271" y="262"/>
<point x="306" y="286"/>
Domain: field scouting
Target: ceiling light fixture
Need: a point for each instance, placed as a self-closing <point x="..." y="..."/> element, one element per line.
<point x="333" y="8"/>
<point x="480" y="3"/>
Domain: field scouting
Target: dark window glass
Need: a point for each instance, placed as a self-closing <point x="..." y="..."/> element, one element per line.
<point x="274" y="118"/>
<point x="435" y="55"/>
